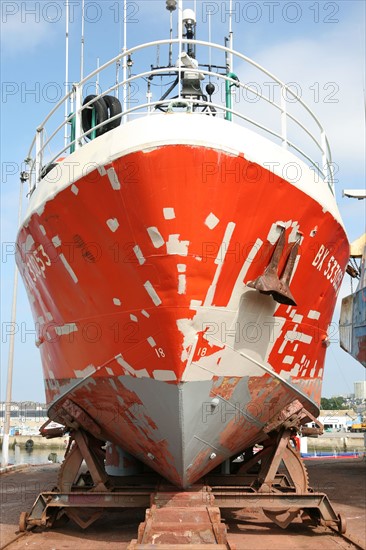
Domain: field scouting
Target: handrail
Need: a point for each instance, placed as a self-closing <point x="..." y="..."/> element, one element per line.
<point x="75" y="95"/>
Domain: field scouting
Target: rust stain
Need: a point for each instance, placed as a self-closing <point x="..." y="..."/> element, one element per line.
<point x="224" y="387"/>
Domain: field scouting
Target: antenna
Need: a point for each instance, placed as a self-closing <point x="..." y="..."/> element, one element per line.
<point x="124" y="57"/>
<point x="209" y="49"/>
<point x="82" y="39"/>
<point x="231" y="36"/>
<point x="180" y="37"/>
<point x="171" y="5"/>
<point x="9" y="381"/>
<point x="66" y="71"/>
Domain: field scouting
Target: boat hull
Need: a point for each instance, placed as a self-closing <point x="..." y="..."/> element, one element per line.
<point x="138" y="277"/>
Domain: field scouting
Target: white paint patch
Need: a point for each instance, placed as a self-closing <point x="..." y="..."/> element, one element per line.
<point x="151" y="341"/>
<point x="40" y="209"/>
<point x="305" y="338"/>
<point x="40" y="320"/>
<point x="294" y="235"/>
<point x="139" y="255"/>
<point x="121" y="361"/>
<point x="182" y="284"/>
<point x="43" y="231"/>
<point x="49" y="316"/>
<point x="142" y="373"/>
<point x="152" y="293"/>
<point x="109" y="371"/>
<point x="155" y="237"/>
<point x="295" y="370"/>
<point x="298" y="318"/>
<point x="175" y="246"/>
<point x="169" y="213"/>
<point x="198" y="258"/>
<point x="164" y="375"/>
<point x="292" y="335"/>
<point x="313" y="314"/>
<point x="283" y="345"/>
<point x="113" y="224"/>
<point x="69" y="268"/>
<point x="102" y="171"/>
<point x="275" y="231"/>
<point x="296" y="347"/>
<point x="56" y="241"/>
<point x="133" y="318"/>
<point x="88" y="371"/>
<point x="113" y="178"/>
<point x="74" y="189"/>
<point x="240" y="286"/>
<point x="211" y="221"/>
<point x="145" y="313"/>
<point x="68" y="328"/>
<point x="181" y="268"/>
<point x="195" y="304"/>
<point x="117" y="301"/>
<point x="292" y="314"/>
<point x="220" y="258"/>
<point x="288" y="359"/>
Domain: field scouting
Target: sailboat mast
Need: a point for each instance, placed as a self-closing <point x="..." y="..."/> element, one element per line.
<point x="66" y="71"/>
<point x="180" y="38"/>
<point x="124" y="58"/>
<point x="9" y="381"/>
<point x="231" y="36"/>
<point x="82" y="39"/>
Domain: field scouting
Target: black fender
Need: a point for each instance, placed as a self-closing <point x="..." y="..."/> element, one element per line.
<point x="101" y="110"/>
<point x="114" y="108"/>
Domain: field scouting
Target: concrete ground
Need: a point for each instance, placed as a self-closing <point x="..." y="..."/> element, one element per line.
<point x="344" y="482"/>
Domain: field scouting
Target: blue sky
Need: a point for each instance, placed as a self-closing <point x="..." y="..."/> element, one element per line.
<point x="318" y="45"/>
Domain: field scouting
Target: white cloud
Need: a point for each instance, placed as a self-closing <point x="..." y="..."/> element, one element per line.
<point x="25" y="36"/>
<point x="329" y="71"/>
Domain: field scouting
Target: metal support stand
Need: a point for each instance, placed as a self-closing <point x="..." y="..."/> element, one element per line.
<point x="259" y="484"/>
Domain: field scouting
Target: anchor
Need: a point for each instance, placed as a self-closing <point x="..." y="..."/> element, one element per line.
<point x="270" y="283"/>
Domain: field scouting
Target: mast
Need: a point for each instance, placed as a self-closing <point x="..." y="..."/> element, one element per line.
<point x="82" y="39"/>
<point x="180" y="45"/>
<point x="9" y="381"/>
<point x="66" y="72"/>
<point x="171" y="5"/>
<point x="124" y="58"/>
<point x="231" y="36"/>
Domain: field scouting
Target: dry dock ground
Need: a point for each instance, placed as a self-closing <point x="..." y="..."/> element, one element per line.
<point x="344" y="481"/>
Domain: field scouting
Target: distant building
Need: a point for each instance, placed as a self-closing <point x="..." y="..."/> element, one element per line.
<point x="360" y="389"/>
<point x="25" y="417"/>
<point x="336" y="420"/>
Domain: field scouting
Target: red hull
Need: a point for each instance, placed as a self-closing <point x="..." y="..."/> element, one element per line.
<point x="142" y="273"/>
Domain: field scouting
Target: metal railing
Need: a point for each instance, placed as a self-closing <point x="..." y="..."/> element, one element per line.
<point x="46" y="138"/>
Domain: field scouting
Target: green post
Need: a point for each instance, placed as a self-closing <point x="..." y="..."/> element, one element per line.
<point x="228" y="86"/>
<point x="72" y="137"/>
<point x="93" y="134"/>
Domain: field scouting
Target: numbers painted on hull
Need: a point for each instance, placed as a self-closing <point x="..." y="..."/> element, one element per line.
<point x="328" y="266"/>
<point x="37" y="263"/>
<point x="160" y="352"/>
